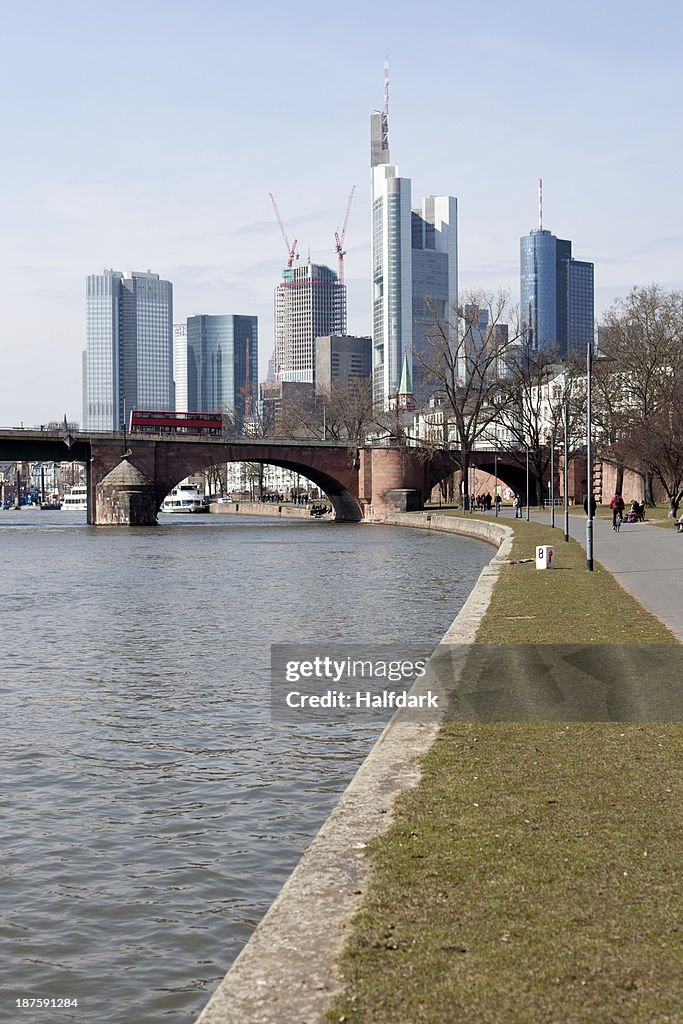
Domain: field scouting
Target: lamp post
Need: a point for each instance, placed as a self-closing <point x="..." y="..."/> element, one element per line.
<point x="527" y="485"/>
<point x="590" y="358"/>
<point x="565" y="471"/>
<point x="552" y="480"/>
<point x="589" y="456"/>
<point x="495" y="488"/>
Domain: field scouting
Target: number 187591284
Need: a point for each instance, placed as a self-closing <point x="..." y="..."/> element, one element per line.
<point x="44" y="1002"/>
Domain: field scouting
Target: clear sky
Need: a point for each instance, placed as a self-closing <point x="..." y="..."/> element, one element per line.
<point x="147" y="135"/>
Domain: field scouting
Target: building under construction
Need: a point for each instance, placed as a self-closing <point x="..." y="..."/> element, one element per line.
<point x="310" y="302"/>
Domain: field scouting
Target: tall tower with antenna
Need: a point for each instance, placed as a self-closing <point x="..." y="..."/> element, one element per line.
<point x="414" y="253"/>
<point x="556" y="292"/>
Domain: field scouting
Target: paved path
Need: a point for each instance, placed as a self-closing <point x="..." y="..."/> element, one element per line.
<point x="646" y="560"/>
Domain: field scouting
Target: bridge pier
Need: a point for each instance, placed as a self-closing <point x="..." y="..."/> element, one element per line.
<point x="391" y="480"/>
<point x="125" y="497"/>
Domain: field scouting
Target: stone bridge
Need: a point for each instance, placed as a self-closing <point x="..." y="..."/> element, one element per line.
<point x="360" y="482"/>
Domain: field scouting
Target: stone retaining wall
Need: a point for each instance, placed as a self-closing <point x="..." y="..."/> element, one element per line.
<point x="266" y="508"/>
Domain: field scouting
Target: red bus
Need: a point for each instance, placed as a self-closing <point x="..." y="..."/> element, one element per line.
<point x="154" y="421"/>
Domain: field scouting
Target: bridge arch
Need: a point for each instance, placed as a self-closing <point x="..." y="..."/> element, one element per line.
<point x="511" y="472"/>
<point x="346" y="507"/>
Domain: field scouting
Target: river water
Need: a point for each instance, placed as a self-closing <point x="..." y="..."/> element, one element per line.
<point x="150" y="810"/>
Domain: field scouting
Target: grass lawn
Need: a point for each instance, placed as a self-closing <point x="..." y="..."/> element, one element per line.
<point x="531" y="875"/>
<point x="659" y="516"/>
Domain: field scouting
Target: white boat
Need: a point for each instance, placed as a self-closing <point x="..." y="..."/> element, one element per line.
<point x="184" y="498"/>
<point x="76" y="500"/>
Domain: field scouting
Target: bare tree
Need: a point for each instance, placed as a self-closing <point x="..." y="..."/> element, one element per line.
<point x="464" y="368"/>
<point x="344" y="413"/>
<point x="541" y="384"/>
<point x="658" y="449"/>
<point x="348" y="412"/>
<point x="216" y="479"/>
<point x="644" y="334"/>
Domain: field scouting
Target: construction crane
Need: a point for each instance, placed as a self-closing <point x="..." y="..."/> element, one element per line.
<point x="292" y="254"/>
<point x="339" y="238"/>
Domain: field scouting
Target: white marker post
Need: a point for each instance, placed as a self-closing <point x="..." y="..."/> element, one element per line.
<point x="545" y="556"/>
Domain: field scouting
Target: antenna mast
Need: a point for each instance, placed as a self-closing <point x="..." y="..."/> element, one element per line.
<point x="540" y="204"/>
<point x="385" y="111"/>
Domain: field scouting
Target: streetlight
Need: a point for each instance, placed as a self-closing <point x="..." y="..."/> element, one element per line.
<point x="552" y="479"/>
<point x="591" y="357"/>
<point x="495" y="489"/>
<point x="565" y="470"/>
<point x="527" y="485"/>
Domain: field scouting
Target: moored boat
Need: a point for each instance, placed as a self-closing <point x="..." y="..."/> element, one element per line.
<point x="76" y="500"/>
<point x="184" y="498"/>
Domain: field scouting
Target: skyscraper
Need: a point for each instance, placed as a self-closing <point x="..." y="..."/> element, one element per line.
<point x="128" y="360"/>
<point x="414" y="255"/>
<point x="341" y="360"/>
<point x="434" y="243"/>
<point x="180" y="367"/>
<point x="222" y="364"/>
<point x="556" y="293"/>
<point x="310" y="302"/>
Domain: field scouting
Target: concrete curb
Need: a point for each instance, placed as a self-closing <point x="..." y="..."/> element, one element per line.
<point x="288" y="969"/>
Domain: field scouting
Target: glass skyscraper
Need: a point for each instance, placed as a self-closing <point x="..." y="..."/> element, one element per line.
<point x="128" y="361"/>
<point x="414" y="255"/>
<point x="556" y="294"/>
<point x="434" y="276"/>
<point x="180" y="368"/>
<point x="222" y="364"/>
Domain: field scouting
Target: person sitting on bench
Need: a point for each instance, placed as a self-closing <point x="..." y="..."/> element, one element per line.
<point x="638" y="509"/>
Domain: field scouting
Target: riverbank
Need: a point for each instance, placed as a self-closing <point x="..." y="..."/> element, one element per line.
<point x="530" y="875"/>
<point x="288" y="969"/>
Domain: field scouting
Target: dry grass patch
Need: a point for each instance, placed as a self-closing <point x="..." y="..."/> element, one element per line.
<point x="531" y="875"/>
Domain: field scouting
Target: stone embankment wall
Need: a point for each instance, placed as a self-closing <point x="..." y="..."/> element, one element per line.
<point x="288" y="969"/>
<point x="267" y="508"/>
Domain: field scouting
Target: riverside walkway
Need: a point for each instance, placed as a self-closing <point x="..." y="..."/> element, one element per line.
<point x="646" y="560"/>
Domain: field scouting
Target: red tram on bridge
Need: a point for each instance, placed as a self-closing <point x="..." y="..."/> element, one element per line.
<point x="153" y="421"/>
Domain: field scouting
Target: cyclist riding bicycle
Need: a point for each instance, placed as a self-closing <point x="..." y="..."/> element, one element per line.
<point x="617" y="505"/>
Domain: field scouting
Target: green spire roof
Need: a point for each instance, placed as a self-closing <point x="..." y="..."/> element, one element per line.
<point x="406" y="385"/>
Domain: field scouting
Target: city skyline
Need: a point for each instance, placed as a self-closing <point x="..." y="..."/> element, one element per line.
<point x="173" y="194"/>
